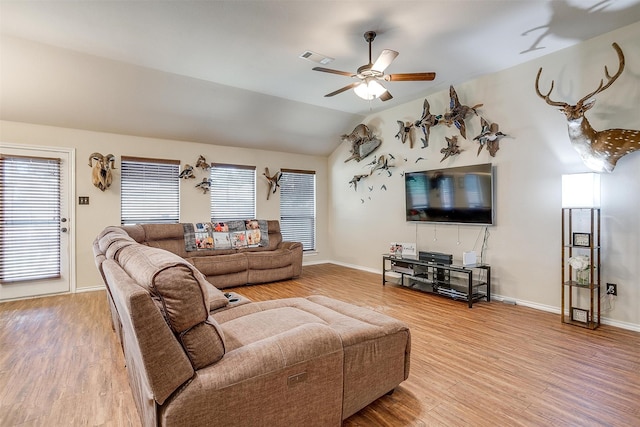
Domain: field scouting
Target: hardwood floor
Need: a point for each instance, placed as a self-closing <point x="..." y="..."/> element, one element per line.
<point x="494" y="364"/>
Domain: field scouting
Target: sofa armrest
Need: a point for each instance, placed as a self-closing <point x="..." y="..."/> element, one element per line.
<point x="296" y="253"/>
<point x="291" y="246"/>
<point x="299" y="368"/>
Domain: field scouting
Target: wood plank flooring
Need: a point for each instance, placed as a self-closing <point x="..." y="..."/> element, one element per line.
<point x="492" y="365"/>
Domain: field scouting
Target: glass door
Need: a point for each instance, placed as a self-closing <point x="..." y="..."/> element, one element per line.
<point x="34" y="222"/>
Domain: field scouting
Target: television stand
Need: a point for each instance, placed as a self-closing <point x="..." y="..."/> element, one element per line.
<point x="449" y="280"/>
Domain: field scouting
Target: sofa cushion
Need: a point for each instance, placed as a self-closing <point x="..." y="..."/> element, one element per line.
<point x="109" y="236"/>
<point x="180" y="292"/>
<point x="260" y="325"/>
<point x="268" y="260"/>
<point x="117" y="244"/>
<point x="162" y="232"/>
<point x="169" y="237"/>
<point x="220" y="264"/>
<point x="275" y="236"/>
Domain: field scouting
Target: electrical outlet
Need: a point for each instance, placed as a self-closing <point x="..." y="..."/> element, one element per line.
<point x="612" y="289"/>
<point x="83" y="200"/>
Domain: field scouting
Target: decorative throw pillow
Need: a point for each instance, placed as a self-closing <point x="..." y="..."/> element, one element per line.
<point x="237" y="234"/>
<point x="257" y="232"/>
<point x="221" y="238"/>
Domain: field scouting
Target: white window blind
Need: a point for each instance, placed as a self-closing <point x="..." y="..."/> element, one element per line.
<point x="298" y="207"/>
<point x="233" y="192"/>
<point x="29" y="218"/>
<point x="150" y="191"/>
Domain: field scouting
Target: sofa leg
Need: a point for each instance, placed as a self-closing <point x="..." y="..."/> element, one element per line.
<point x="390" y="392"/>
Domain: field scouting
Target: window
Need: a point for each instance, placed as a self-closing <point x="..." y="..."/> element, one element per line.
<point x="150" y="191"/>
<point x="298" y="207"/>
<point x="233" y="192"/>
<point x="29" y="218"/>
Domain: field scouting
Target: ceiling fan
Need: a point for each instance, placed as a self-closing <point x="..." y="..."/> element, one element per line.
<point x="369" y="74"/>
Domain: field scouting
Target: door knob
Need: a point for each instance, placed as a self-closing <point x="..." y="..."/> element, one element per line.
<point x="63" y="229"/>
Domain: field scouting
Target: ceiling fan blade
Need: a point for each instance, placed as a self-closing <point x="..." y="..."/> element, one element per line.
<point x="329" y="70"/>
<point x="410" y="77"/>
<point x="385" y="96"/>
<point x="386" y="57"/>
<point x="347" y="87"/>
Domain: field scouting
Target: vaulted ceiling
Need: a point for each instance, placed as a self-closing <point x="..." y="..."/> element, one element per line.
<point x="230" y="72"/>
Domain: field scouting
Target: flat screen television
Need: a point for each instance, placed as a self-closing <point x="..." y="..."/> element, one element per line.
<point x="459" y="195"/>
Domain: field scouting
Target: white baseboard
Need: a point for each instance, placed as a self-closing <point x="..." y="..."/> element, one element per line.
<point x="556" y="310"/>
<point x="508" y="300"/>
<point x="90" y="289"/>
<point x="357" y="267"/>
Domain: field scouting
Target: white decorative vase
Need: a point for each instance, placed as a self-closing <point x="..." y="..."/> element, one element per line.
<point x="582" y="277"/>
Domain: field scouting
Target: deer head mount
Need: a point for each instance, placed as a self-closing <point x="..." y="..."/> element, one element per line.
<point x="600" y="150"/>
<point x="101" y="173"/>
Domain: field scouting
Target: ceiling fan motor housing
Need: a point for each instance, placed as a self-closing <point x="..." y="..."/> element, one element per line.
<point x="366" y="71"/>
<point x="369" y="36"/>
<point x="368" y="75"/>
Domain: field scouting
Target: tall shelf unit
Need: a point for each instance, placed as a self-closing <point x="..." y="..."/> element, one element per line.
<point x="581" y="288"/>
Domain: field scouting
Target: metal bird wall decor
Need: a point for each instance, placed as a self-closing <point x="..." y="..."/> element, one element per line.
<point x="380" y="164"/>
<point x="489" y="136"/>
<point x="356" y="178"/>
<point x="204" y="185"/>
<point x="426" y="122"/>
<point x="451" y="149"/>
<point x="202" y="163"/>
<point x="362" y="141"/>
<point x="458" y="112"/>
<point x="187" y="172"/>
<point x="404" y="132"/>
<point x="274" y="181"/>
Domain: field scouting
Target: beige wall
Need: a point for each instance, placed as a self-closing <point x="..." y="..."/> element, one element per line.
<point x="104" y="207"/>
<point x="355" y="227"/>
<point x="524" y="245"/>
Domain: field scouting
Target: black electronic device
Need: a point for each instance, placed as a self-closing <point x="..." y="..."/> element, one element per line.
<point x="402" y="267"/>
<point x="436" y="257"/>
<point x="458" y="195"/>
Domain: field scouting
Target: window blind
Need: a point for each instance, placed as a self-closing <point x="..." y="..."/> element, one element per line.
<point x="150" y="191"/>
<point x="298" y="207"/>
<point x="233" y="192"/>
<point x="29" y="218"/>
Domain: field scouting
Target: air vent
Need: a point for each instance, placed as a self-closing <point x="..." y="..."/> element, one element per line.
<point x="316" y="57"/>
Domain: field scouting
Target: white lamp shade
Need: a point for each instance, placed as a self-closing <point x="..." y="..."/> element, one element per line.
<point x="581" y="190"/>
<point x="369" y="89"/>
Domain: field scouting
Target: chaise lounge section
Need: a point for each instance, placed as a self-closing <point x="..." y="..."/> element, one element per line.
<point x="196" y="356"/>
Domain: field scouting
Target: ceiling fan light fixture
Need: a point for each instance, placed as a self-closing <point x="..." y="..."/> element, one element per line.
<point x="369" y="89"/>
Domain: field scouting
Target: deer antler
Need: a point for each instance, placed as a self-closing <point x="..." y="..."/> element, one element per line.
<point x="599" y="89"/>
<point x="610" y="79"/>
<point x="546" y="97"/>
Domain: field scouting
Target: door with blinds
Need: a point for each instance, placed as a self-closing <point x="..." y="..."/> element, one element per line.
<point x="34" y="222"/>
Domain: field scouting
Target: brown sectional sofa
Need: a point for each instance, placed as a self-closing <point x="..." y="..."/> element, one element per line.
<point x="228" y="267"/>
<point x="196" y="357"/>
